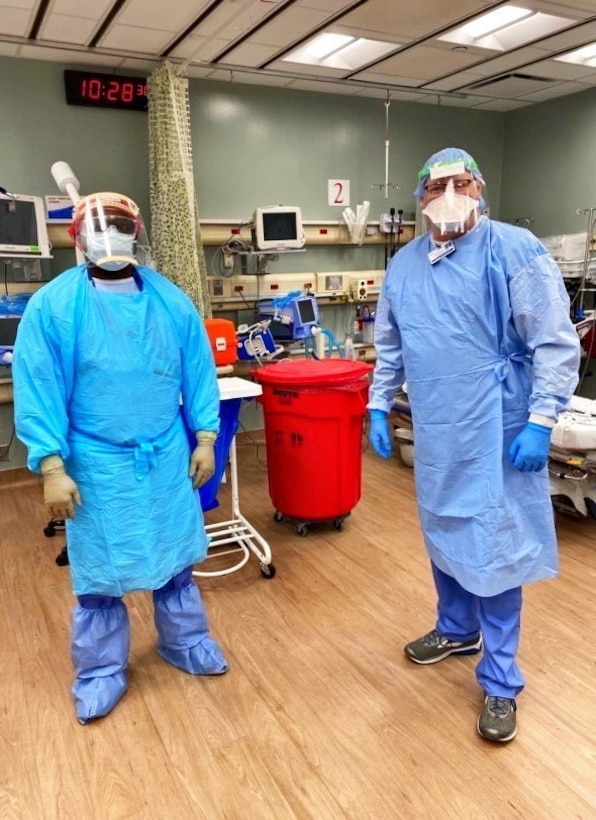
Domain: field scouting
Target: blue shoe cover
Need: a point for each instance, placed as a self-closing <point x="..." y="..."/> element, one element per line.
<point x="100" y="646"/>
<point x="183" y="632"/>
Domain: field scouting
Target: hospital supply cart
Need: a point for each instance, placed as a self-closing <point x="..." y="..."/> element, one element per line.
<point x="235" y="537"/>
<point x="314" y="412"/>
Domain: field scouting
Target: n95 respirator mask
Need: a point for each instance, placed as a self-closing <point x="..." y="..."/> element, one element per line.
<point x="450" y="211"/>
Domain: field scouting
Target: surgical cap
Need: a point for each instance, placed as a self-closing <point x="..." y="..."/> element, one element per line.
<point x="446" y="157"/>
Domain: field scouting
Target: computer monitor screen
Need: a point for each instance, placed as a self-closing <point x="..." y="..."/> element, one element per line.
<point x="22" y="226"/>
<point x="278" y="228"/>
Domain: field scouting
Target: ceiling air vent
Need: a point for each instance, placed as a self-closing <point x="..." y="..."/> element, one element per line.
<point x="512" y="85"/>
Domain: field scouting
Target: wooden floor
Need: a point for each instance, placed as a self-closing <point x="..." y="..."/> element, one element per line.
<point x="321" y="715"/>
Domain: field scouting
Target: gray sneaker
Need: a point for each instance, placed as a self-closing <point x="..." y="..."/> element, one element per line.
<point x="433" y="647"/>
<point x="498" y="720"/>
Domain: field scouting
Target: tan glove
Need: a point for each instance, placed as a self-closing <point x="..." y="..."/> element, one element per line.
<point x="59" y="490"/>
<point x="202" y="460"/>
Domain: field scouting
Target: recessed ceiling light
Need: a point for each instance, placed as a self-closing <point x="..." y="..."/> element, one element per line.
<point x="326" y="44"/>
<point x="495" y="20"/>
<point x="506" y="28"/>
<point x="330" y="50"/>
<point x="586" y="55"/>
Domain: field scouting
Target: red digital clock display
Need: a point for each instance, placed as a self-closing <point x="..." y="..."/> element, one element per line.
<point x="105" y="90"/>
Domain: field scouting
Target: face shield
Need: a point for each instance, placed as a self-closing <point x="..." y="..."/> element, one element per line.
<point x="109" y="230"/>
<point x="450" y="196"/>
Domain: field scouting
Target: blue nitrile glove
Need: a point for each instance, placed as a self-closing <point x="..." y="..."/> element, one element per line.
<point x="379" y="433"/>
<point x="529" y="450"/>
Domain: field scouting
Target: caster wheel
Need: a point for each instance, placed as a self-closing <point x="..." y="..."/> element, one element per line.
<point x="49" y="532"/>
<point x="268" y="571"/>
<point x="278" y="516"/>
<point x="301" y="530"/>
<point x="338" y="523"/>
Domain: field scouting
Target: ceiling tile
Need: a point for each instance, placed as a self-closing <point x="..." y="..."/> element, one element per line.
<point x="507" y="62"/>
<point x="421" y="63"/>
<point x="63" y="29"/>
<point x="15" y="22"/>
<point x="560" y="71"/>
<point x="568" y="40"/>
<point x="172" y="15"/>
<point x="136" y="39"/>
<point x="199" y="49"/>
<point x="576" y="8"/>
<point x="251" y="54"/>
<point x="552" y="92"/>
<point x="452" y="82"/>
<point x="409" y="18"/>
<point x="89" y="9"/>
<point x="500" y="105"/>
<point x="233" y="19"/>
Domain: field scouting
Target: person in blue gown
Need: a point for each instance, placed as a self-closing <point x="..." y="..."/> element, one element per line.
<point x="474" y="315"/>
<point x="112" y="365"/>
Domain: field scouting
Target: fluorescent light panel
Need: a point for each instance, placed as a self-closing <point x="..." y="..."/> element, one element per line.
<point x="495" y="20"/>
<point x="330" y="50"/>
<point x="586" y="55"/>
<point x="506" y="28"/>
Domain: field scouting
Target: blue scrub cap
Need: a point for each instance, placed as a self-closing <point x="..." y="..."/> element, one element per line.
<point x="446" y="157"/>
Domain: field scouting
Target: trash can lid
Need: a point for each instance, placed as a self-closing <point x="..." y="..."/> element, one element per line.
<point x="312" y="372"/>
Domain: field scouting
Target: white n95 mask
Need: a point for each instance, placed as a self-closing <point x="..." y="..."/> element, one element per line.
<point x="110" y="250"/>
<point x="450" y="211"/>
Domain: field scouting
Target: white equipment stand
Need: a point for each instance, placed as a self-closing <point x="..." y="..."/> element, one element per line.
<point x="237" y="533"/>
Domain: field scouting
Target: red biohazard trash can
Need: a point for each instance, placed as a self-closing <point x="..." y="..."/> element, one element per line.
<point x="313" y="412"/>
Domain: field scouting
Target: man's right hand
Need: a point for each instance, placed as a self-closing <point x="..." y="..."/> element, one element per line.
<point x="379" y="433"/>
<point x="59" y="490"/>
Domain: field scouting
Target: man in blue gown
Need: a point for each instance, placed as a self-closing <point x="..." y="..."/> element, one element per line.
<point x="112" y="365"/>
<point x="475" y="316"/>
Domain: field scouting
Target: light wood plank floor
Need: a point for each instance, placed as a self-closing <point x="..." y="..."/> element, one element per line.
<point x="321" y="715"/>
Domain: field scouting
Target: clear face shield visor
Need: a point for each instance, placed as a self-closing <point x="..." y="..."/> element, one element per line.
<point x="110" y="232"/>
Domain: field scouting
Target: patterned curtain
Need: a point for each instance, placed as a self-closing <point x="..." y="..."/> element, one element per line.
<point x="176" y="243"/>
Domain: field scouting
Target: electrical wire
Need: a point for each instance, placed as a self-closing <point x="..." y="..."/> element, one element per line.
<point x="253" y="443"/>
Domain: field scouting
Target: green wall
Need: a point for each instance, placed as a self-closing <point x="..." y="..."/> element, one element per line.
<point x="252" y="146"/>
<point x="549" y="163"/>
<point x="261" y="146"/>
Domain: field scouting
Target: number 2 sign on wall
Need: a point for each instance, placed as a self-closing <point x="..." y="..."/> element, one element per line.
<point x="338" y="192"/>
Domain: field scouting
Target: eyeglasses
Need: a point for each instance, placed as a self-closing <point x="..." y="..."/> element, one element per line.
<point x="123" y="224"/>
<point x="437" y="188"/>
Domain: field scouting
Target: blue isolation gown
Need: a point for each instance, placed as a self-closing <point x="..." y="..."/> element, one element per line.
<point x="483" y="338"/>
<point x="98" y="379"/>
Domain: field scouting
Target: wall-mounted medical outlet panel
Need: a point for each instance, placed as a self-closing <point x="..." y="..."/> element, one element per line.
<point x="333" y="284"/>
<point x="272" y="285"/>
<point x="365" y="283"/>
<point x="220" y="288"/>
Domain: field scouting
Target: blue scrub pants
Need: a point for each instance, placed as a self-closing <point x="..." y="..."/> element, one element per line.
<point x="462" y="615"/>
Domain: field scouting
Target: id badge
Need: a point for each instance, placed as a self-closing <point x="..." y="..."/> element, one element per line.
<point x="440" y="252"/>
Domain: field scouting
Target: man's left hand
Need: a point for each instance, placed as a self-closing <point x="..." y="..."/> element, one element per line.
<point x="202" y="464"/>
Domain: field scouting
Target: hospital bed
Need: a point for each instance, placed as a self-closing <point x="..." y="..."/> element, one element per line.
<point x="572" y="462"/>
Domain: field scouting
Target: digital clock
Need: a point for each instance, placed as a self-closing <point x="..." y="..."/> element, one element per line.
<point x="105" y="90"/>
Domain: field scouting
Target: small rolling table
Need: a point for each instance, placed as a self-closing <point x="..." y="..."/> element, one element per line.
<point x="236" y="537"/>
